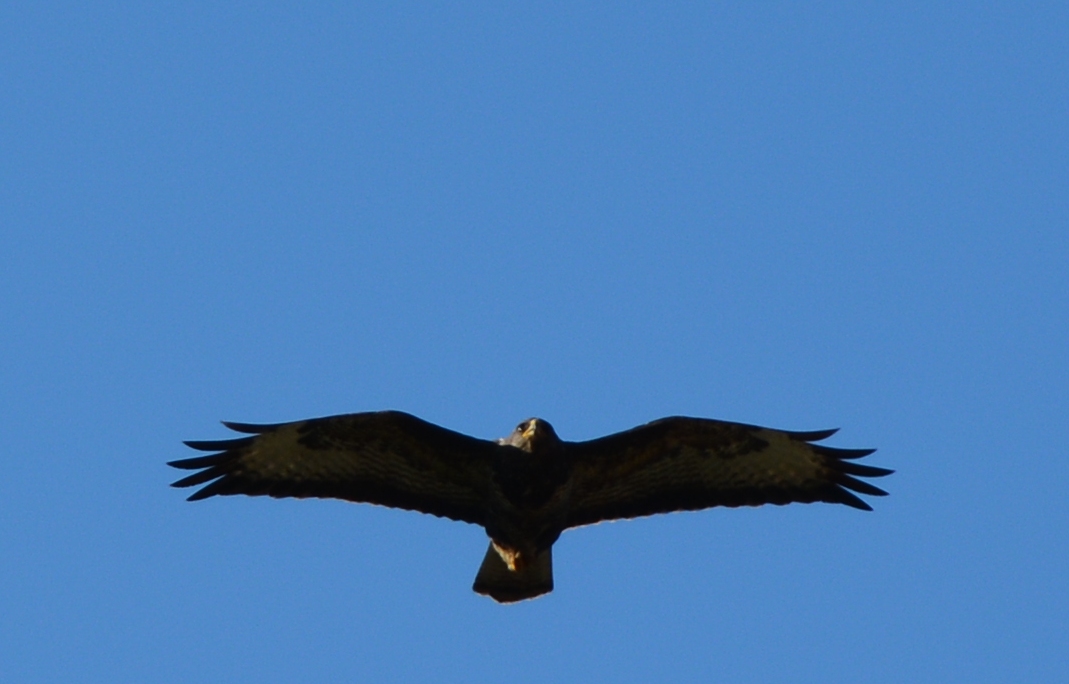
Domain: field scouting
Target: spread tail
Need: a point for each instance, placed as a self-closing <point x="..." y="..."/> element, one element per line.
<point x="506" y="586"/>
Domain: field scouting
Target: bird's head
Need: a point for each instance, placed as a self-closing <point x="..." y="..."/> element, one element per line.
<point x="535" y="436"/>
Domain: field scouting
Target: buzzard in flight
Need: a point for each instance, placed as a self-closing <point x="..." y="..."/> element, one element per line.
<point x="527" y="488"/>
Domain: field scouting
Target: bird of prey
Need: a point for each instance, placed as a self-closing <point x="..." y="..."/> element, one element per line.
<point x="527" y="488"/>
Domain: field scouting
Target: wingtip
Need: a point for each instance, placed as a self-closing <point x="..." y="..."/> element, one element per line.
<point x="845" y="454"/>
<point x="845" y="497"/>
<point x="198" y="462"/>
<point x="205" y="492"/>
<point x="218" y="444"/>
<point x="812" y="435"/>
<point x="860" y="486"/>
<point x="251" y="428"/>
<point x="851" y="468"/>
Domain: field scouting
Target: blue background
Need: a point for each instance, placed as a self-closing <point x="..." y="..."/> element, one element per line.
<point x="804" y="217"/>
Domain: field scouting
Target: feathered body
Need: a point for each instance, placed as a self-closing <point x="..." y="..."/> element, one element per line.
<point x="527" y="488"/>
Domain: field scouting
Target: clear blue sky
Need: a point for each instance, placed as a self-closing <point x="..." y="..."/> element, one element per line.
<point x="854" y="215"/>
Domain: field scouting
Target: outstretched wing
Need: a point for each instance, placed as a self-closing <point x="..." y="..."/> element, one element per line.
<point x="387" y="458"/>
<point x="685" y="464"/>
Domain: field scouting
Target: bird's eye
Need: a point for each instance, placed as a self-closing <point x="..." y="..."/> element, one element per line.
<point x="522" y="426"/>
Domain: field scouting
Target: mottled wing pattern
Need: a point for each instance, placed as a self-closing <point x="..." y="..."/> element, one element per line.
<point x="387" y="458"/>
<point x="680" y="464"/>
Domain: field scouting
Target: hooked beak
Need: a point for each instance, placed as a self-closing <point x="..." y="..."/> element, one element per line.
<point x="533" y="428"/>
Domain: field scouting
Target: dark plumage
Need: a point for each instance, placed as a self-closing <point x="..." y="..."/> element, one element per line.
<point x="527" y="488"/>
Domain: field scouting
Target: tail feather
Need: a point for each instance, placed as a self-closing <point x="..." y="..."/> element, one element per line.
<point x="507" y="586"/>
